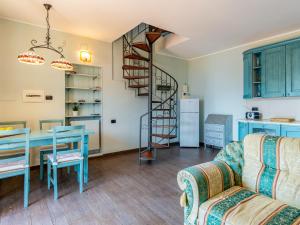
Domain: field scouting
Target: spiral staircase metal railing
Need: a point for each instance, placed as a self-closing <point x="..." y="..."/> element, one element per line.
<point x="161" y="89"/>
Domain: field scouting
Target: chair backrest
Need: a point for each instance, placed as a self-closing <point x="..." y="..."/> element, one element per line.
<point x="49" y="124"/>
<point x="66" y="135"/>
<point x="272" y="167"/>
<point x="10" y="143"/>
<point x="14" y="124"/>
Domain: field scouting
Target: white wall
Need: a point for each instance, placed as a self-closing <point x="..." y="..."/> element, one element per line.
<point x="217" y="79"/>
<point x="119" y="102"/>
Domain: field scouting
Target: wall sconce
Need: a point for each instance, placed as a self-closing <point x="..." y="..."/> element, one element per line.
<point x="85" y="56"/>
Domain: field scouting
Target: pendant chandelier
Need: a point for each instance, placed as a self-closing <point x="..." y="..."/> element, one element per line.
<point x="31" y="57"/>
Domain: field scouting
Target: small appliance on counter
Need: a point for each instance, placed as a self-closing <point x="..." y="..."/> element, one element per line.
<point x="253" y="115"/>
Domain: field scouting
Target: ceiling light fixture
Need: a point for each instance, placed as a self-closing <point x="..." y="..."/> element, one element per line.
<point x="30" y="57"/>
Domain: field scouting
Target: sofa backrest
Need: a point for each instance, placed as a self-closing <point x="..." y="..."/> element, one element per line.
<point x="272" y="167"/>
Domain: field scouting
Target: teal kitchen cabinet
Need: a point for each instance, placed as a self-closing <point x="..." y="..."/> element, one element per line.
<point x="293" y="69"/>
<point x="290" y="131"/>
<point x="247" y="76"/>
<point x="273" y="72"/>
<point x="243" y="130"/>
<point x="270" y="129"/>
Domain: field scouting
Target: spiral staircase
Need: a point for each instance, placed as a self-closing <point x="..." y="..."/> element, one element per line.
<point x="159" y="124"/>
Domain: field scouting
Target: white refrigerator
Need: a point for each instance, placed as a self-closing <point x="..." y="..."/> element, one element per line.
<point x="189" y="122"/>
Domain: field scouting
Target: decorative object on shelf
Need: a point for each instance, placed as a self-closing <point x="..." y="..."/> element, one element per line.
<point x="30" y="57"/>
<point x="75" y="110"/>
<point x="253" y="115"/>
<point x="85" y="56"/>
<point x="282" y="120"/>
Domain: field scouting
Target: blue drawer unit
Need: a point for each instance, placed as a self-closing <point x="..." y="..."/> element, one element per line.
<point x="290" y="131"/>
<point x="270" y="129"/>
<point x="243" y="130"/>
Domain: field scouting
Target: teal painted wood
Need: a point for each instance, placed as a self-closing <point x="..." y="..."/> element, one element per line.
<point x="290" y="131"/>
<point x="43" y="138"/>
<point x="243" y="130"/>
<point x="273" y="72"/>
<point x="50" y="124"/>
<point x="273" y="45"/>
<point x="247" y="76"/>
<point x="62" y="135"/>
<point x="22" y="143"/>
<point x="293" y="69"/>
<point x="270" y="129"/>
<point x="23" y="124"/>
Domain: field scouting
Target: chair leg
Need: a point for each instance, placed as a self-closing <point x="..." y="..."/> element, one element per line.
<point x="41" y="166"/>
<point x="26" y="187"/>
<point x="55" y="182"/>
<point x="49" y="174"/>
<point x="81" y="177"/>
<point x="69" y="170"/>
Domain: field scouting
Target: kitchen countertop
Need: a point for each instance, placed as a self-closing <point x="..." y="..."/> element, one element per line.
<point x="265" y="121"/>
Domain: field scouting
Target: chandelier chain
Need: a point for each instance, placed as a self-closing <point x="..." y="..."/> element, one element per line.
<point x="48" y="28"/>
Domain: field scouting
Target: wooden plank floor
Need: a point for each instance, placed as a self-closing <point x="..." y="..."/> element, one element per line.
<point x="120" y="192"/>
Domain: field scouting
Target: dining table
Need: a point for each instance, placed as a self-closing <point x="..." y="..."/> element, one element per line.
<point x="45" y="137"/>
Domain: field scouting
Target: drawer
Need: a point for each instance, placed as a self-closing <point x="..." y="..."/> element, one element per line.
<point x="214" y="127"/>
<point x="214" y="134"/>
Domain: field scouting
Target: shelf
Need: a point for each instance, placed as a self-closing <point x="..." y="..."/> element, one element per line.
<point x="80" y="116"/>
<point x="82" y="88"/>
<point x="256" y="82"/>
<point x="83" y="75"/>
<point x="83" y="102"/>
<point x="257" y="67"/>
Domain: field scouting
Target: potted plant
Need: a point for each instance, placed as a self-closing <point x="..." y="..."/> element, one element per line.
<point x="75" y="110"/>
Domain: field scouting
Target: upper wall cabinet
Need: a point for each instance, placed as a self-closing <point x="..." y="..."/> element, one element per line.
<point x="247" y="76"/>
<point x="272" y="71"/>
<point x="293" y="69"/>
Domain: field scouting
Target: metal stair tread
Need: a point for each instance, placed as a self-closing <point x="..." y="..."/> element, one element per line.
<point x="135" y="56"/>
<point x="163" y="117"/>
<point x="158" y="146"/>
<point x="152" y="36"/>
<point x="161" y="109"/>
<point x="142" y="46"/>
<point x="164" y="126"/>
<point x="165" y="136"/>
<point x="135" y="77"/>
<point x="130" y="67"/>
<point x="138" y="85"/>
<point x="156" y="101"/>
<point x="143" y="94"/>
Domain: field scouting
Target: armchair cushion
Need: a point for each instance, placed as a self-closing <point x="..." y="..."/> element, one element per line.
<point x="238" y="205"/>
<point x="233" y="155"/>
<point x="202" y="182"/>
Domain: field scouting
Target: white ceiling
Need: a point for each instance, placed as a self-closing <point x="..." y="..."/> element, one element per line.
<point x="207" y="25"/>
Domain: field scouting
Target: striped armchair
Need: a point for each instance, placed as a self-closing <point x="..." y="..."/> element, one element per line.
<point x="268" y="192"/>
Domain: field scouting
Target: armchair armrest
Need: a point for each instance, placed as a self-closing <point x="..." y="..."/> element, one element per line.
<point x="201" y="182"/>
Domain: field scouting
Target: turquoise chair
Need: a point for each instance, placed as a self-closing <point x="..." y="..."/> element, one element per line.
<point x="45" y="150"/>
<point x="16" y="165"/>
<point x="67" y="158"/>
<point x="14" y="124"/>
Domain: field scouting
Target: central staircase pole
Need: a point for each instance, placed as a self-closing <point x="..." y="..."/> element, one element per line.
<point x="150" y="97"/>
